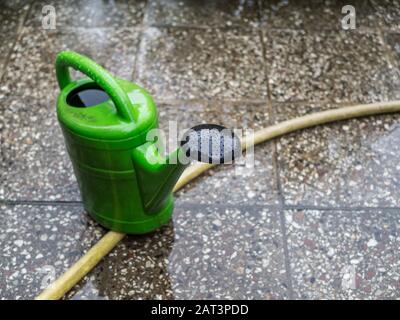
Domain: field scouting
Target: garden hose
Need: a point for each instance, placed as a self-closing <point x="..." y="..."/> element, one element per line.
<point x="72" y="276"/>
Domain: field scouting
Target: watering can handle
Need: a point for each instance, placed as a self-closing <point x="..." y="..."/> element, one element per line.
<point x="102" y="77"/>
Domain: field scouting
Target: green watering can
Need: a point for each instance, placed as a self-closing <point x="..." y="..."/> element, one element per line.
<point x="125" y="183"/>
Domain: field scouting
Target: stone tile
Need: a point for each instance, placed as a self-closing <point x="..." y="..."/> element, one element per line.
<point x="335" y="66"/>
<point x="235" y="185"/>
<point x="247" y="182"/>
<point x="235" y="115"/>
<point x="34" y="161"/>
<point x="205" y="13"/>
<point x="38" y="243"/>
<point x="11" y="20"/>
<point x="351" y="163"/>
<point x="202" y="63"/>
<point x="385" y="14"/>
<point x="30" y="72"/>
<point x="344" y="254"/>
<point x="95" y="13"/>
<point x="393" y="41"/>
<point x="312" y="15"/>
<point x="206" y="253"/>
<point x="14" y="4"/>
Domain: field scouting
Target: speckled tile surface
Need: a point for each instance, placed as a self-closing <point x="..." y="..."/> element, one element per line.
<point x="206" y="63"/>
<point x="330" y="65"/>
<point x="30" y="71"/>
<point x="386" y="15"/>
<point x="93" y="13"/>
<point x="207" y="252"/>
<point x="246" y="184"/>
<point x="11" y="20"/>
<point x="14" y="4"/>
<point x="34" y="161"/>
<point x="238" y="115"/>
<point x="312" y="15"/>
<point x="316" y="217"/>
<point x="39" y="242"/>
<point x="344" y="254"/>
<point x="351" y="163"/>
<point x="393" y="41"/>
<point x="226" y="13"/>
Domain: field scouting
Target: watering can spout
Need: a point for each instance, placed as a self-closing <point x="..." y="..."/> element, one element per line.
<point x="156" y="175"/>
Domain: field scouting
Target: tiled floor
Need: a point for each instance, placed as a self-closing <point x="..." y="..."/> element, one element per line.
<point x="318" y="217"/>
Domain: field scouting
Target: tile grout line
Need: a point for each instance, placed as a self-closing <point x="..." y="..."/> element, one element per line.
<point x="261" y="27"/>
<point x="282" y="220"/>
<point x="39" y="202"/>
<point x="143" y="26"/>
<point x="275" y="162"/>
<point x="203" y="205"/>
<point x="344" y="208"/>
<point x="344" y="103"/>
<point x="174" y="102"/>
<point x="389" y="55"/>
<point x="207" y="101"/>
<point x="276" y="166"/>
<point x="17" y="38"/>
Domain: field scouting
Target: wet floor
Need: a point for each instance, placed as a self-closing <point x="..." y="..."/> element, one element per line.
<point x="319" y="215"/>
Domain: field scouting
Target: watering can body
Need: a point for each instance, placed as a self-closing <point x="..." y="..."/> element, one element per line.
<point x="120" y="186"/>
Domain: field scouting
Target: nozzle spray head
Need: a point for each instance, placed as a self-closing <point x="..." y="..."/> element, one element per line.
<point x="211" y="143"/>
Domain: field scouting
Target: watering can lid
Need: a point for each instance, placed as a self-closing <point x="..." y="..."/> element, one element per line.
<point x="121" y="110"/>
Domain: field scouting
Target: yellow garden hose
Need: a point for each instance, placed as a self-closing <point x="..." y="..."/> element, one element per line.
<point x="73" y="275"/>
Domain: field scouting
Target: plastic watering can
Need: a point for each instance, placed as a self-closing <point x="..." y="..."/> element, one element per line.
<point x="125" y="183"/>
